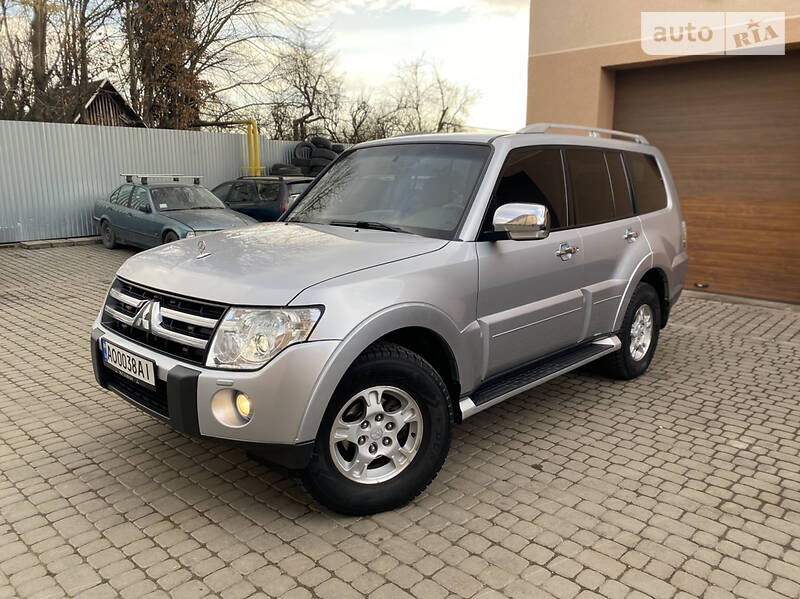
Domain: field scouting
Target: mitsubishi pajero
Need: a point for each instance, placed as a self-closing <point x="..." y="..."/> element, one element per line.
<point x="418" y="281"/>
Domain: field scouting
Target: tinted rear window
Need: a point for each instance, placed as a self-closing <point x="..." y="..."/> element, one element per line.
<point x="269" y="191"/>
<point x="623" y="206"/>
<point x="648" y="187"/>
<point x="590" y="188"/>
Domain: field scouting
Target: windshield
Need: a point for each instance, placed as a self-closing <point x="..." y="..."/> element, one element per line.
<point x="421" y="188"/>
<point x="184" y="198"/>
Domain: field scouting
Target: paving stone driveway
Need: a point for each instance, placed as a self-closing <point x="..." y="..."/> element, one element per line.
<point x="683" y="483"/>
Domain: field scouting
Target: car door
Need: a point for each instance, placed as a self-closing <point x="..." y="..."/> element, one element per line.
<point x="530" y="302"/>
<point x="119" y="212"/>
<point x="613" y="244"/>
<point x="145" y="230"/>
<point x="272" y="197"/>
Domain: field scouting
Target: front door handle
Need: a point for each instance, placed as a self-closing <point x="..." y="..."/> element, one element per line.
<point x="566" y="251"/>
<point x="631" y="235"/>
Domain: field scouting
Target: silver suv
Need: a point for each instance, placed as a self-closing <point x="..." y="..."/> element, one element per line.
<point x="418" y="281"/>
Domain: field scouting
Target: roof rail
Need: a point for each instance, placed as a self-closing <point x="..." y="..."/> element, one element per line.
<point x="143" y="177"/>
<point x="593" y="131"/>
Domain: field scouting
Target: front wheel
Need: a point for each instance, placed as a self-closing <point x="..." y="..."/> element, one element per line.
<point x="384" y="436"/>
<point x="170" y="236"/>
<point x="639" y="335"/>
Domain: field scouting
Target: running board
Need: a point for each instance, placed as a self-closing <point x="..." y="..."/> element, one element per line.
<point x="519" y="381"/>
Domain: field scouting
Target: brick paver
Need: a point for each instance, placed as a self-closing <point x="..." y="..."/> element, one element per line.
<point x="681" y="483"/>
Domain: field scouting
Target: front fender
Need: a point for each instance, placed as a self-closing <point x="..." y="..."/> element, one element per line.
<point x="465" y="346"/>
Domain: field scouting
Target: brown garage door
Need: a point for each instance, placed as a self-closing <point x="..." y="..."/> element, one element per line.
<point x="730" y="130"/>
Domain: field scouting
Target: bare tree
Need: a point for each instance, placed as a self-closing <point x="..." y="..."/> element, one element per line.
<point x="80" y="24"/>
<point x="15" y="81"/>
<point x="227" y="51"/>
<point x="306" y="93"/>
<point x="429" y="102"/>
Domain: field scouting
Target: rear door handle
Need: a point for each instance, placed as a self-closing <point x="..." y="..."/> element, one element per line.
<point x="631" y="235"/>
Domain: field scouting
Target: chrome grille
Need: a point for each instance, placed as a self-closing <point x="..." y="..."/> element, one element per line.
<point x="170" y="324"/>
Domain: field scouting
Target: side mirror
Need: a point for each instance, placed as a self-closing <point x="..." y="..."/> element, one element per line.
<point x="522" y="221"/>
<point x="145" y="208"/>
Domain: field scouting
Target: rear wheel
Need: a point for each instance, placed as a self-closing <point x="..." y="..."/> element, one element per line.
<point x="170" y="236"/>
<point x="385" y="435"/>
<point x="107" y="234"/>
<point x="639" y="335"/>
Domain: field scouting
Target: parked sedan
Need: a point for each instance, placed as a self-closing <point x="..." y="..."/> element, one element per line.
<point x="149" y="215"/>
<point x="263" y="198"/>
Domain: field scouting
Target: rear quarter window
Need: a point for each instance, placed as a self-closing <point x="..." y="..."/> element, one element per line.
<point x="649" y="193"/>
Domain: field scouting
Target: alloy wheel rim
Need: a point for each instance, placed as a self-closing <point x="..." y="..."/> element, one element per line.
<point x="376" y="435"/>
<point x="641" y="332"/>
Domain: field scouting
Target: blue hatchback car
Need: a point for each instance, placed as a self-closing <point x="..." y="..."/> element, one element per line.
<point x="263" y="198"/>
<point x="147" y="215"/>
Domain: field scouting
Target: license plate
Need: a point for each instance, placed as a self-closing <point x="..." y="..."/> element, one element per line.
<point x="138" y="369"/>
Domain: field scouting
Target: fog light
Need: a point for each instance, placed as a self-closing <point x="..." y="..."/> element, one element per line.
<point x="243" y="406"/>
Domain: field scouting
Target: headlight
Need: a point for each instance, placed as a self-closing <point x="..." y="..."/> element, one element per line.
<point x="247" y="338"/>
<point x="190" y="234"/>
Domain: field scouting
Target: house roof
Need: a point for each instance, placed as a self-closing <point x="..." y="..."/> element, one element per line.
<point x="68" y="95"/>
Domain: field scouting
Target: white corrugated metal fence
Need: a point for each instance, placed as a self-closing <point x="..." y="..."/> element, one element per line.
<point x="51" y="173"/>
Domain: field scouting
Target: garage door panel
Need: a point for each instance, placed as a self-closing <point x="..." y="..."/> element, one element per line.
<point x="730" y="130"/>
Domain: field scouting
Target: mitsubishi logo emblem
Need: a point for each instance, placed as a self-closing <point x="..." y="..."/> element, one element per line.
<point x="149" y="315"/>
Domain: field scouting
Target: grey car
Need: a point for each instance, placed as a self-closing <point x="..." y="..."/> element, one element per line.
<point x="419" y="281"/>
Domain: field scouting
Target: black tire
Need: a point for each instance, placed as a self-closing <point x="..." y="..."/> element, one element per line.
<point x="319" y="163"/>
<point x="170" y="236"/>
<point x="107" y="235"/>
<point x="622" y="364"/>
<point x="301" y="162"/>
<point x="301" y="155"/>
<point x="384" y="364"/>
<point x="323" y="153"/>
<point x="285" y="169"/>
<point x="338" y="148"/>
<point x="321" y="142"/>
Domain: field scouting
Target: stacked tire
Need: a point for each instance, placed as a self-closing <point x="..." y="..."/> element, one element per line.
<point x="310" y="157"/>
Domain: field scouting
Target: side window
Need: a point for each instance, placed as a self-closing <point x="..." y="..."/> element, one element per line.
<point x="590" y="189"/>
<point x="120" y="197"/>
<point x="623" y="206"/>
<point x="222" y="191"/>
<point x="269" y="191"/>
<point x="533" y="175"/>
<point x="140" y="198"/>
<point x="242" y="192"/>
<point x="649" y="193"/>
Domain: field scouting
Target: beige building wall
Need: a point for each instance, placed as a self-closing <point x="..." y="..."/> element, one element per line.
<point x="575" y="46"/>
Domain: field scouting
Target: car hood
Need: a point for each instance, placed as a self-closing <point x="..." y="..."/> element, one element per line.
<point x="209" y="220"/>
<point x="268" y="264"/>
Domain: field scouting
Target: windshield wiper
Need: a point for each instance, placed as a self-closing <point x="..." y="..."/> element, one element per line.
<point x="366" y="224"/>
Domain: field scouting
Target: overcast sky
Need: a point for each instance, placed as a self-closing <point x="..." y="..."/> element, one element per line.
<point x="481" y="43"/>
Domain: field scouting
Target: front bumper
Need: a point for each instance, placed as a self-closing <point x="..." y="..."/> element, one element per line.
<point x="280" y="392"/>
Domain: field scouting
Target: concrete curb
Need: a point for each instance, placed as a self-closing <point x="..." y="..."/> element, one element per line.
<point x="46" y="243"/>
